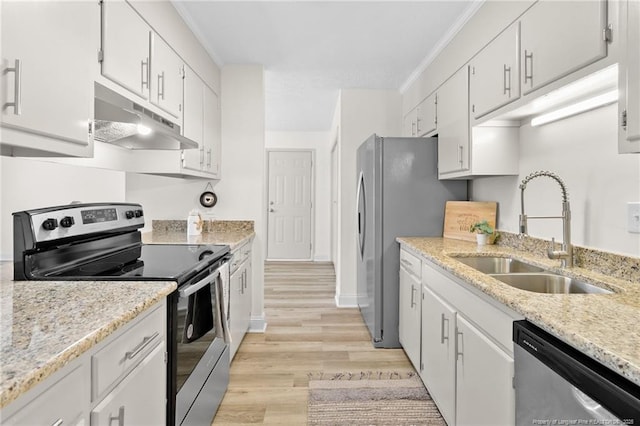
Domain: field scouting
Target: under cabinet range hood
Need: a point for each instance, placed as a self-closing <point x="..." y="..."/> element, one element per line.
<point x="122" y="122"/>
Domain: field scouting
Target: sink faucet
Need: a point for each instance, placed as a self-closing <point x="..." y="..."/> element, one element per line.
<point x="566" y="254"/>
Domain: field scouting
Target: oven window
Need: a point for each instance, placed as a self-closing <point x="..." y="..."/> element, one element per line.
<point x="196" y="330"/>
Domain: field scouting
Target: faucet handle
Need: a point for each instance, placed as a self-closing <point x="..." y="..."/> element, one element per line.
<point x="551" y="250"/>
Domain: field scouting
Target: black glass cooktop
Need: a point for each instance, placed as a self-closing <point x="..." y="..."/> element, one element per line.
<point x="148" y="262"/>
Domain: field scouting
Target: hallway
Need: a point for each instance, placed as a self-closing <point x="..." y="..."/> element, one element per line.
<point x="306" y="333"/>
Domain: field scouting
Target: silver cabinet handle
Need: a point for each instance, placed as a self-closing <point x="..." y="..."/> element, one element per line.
<point x="209" y="158"/>
<point x="144" y="73"/>
<point x="459" y="345"/>
<point x="17" y="84"/>
<point x="413" y="292"/>
<point x="161" y="86"/>
<point x="443" y="319"/>
<point x="418" y="126"/>
<point x="58" y="422"/>
<point x="528" y="71"/>
<point x="506" y="82"/>
<point x="145" y="342"/>
<point x="460" y="150"/>
<point x="119" y="417"/>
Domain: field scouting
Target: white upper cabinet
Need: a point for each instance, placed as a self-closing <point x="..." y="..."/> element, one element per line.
<point x="48" y="68"/>
<point x="560" y="37"/>
<point x="629" y="77"/>
<point x="422" y="120"/>
<point x="212" y="128"/>
<point x="426" y="117"/>
<point x="167" y="72"/>
<point x="126" y="41"/>
<point x="495" y="73"/>
<point x="453" y="124"/>
<point x="193" y="115"/>
<point x="201" y="124"/>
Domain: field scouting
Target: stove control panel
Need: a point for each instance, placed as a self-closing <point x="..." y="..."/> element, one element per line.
<point x="77" y="220"/>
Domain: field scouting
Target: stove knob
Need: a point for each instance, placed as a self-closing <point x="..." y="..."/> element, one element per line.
<point x="67" y="222"/>
<point x="129" y="214"/>
<point x="139" y="213"/>
<point x="50" y="224"/>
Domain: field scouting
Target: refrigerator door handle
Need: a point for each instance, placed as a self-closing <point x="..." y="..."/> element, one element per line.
<point x="362" y="214"/>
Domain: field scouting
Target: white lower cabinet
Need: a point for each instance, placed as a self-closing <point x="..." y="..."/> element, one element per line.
<point x="467" y="353"/>
<point x="484" y="379"/>
<point x="438" y="366"/>
<point x="629" y="78"/>
<point x="239" y="296"/>
<point x="59" y="404"/>
<point x="139" y="399"/>
<point x="120" y="381"/>
<point x="409" y="307"/>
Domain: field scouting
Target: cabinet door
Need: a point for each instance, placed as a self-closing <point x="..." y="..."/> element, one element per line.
<point x="235" y="311"/>
<point x="246" y="296"/>
<point x="167" y="71"/>
<point x="140" y="398"/>
<point x="494" y="73"/>
<point x="484" y="379"/>
<point x="409" y="318"/>
<point x="192" y="119"/>
<point x="212" y="133"/>
<point x="409" y="123"/>
<point x="125" y="47"/>
<point x="48" y="69"/>
<point x="438" y="369"/>
<point x="62" y="403"/>
<point x="629" y="78"/>
<point x="453" y="124"/>
<point x="572" y="38"/>
<point x="426" y="119"/>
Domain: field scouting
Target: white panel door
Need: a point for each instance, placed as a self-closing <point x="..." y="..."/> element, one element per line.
<point x="289" y="205"/>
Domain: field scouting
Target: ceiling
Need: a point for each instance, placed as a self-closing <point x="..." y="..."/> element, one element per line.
<point x="311" y="49"/>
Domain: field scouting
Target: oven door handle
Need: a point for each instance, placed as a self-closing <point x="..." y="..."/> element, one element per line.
<point x="200" y="284"/>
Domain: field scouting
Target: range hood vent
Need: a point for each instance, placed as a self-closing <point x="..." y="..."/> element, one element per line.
<point x="122" y="122"/>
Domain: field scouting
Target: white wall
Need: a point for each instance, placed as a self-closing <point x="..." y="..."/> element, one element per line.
<point x="320" y="143"/>
<point x="362" y="113"/>
<point x="582" y="150"/>
<point x="28" y="184"/>
<point x="243" y="167"/>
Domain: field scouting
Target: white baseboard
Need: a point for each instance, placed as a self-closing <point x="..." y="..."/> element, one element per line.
<point x="258" y="324"/>
<point x="346" y="300"/>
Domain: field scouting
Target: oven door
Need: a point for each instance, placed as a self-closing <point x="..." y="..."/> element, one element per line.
<point x="202" y="355"/>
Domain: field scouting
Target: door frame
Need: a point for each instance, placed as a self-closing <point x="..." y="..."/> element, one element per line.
<point x="312" y="194"/>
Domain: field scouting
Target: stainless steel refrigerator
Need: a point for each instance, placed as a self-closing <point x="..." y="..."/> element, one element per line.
<point x="399" y="194"/>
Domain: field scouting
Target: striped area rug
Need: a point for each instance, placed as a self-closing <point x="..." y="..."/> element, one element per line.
<point x="370" y="398"/>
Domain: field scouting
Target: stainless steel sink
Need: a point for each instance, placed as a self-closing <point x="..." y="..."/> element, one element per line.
<point x="498" y="265"/>
<point x="549" y="283"/>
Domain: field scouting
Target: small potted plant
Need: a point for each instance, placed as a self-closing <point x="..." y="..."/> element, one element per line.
<point x="484" y="232"/>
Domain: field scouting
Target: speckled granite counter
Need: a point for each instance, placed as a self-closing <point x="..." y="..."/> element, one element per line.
<point x="605" y="327"/>
<point x="46" y="324"/>
<point x="232" y="233"/>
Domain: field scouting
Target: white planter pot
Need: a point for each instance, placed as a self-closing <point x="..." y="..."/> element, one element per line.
<point x="482" y="239"/>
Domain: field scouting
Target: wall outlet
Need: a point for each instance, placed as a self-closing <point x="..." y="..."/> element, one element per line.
<point x="633" y="217"/>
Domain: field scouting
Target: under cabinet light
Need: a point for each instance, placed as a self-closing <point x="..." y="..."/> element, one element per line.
<point x="143" y="130"/>
<point x="577" y="108"/>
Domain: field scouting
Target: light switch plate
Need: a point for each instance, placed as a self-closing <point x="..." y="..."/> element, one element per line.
<point x="633" y="217"/>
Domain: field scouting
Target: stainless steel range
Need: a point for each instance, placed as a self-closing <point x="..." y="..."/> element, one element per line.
<point x="102" y="241"/>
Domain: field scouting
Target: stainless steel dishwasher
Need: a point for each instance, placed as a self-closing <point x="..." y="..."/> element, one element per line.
<point x="558" y="385"/>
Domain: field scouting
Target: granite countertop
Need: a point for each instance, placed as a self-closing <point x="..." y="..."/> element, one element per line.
<point x="232" y="233"/>
<point x="46" y="324"/>
<point x="603" y="326"/>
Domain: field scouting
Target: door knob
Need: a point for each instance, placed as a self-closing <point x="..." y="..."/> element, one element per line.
<point x="271" y="210"/>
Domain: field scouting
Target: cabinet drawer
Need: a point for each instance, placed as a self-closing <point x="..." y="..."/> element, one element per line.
<point x="62" y="403"/>
<point x="240" y="255"/>
<point x="126" y="351"/>
<point x="411" y="263"/>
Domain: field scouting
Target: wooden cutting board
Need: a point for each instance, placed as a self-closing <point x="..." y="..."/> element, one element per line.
<point x="460" y="215"/>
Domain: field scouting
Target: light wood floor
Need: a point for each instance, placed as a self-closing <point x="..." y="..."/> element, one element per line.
<point x="306" y="333"/>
